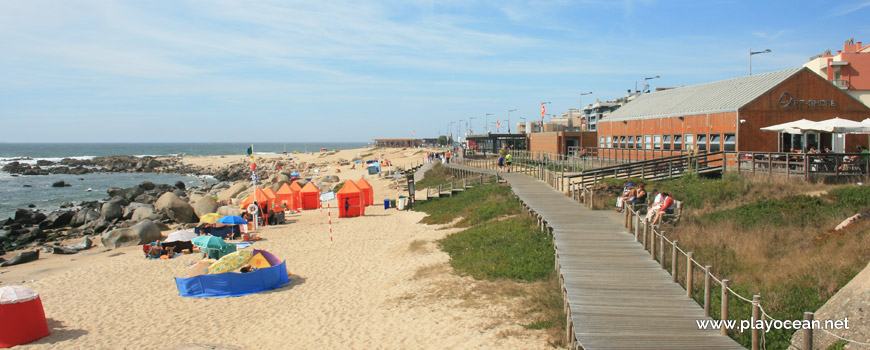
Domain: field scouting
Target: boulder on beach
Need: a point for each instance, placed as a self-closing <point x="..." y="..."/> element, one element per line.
<point x="57" y="218"/>
<point x="113" y="209"/>
<point x="84" y="216"/>
<point x="21" y="258"/>
<point x="129" y="209"/>
<point x="146" y="212"/>
<point x="143" y="232"/>
<point x="60" y="184"/>
<point x="175" y="208"/>
<point x="233" y="191"/>
<point x="229" y="210"/>
<point x="205" y="205"/>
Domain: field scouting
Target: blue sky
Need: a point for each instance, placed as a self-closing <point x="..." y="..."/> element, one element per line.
<point x="285" y="71"/>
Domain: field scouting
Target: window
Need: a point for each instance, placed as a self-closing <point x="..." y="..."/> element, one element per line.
<point x="638" y="142"/>
<point x="647" y="142"/>
<point x="622" y="142"/>
<point x="609" y="144"/>
<point x="631" y="142"/>
<point x="678" y="142"/>
<point x="701" y="142"/>
<point x="730" y="142"/>
<point x="601" y="142"/>
<point x="690" y="142"/>
<point x="714" y="143"/>
<point x="657" y="141"/>
<point x="667" y="143"/>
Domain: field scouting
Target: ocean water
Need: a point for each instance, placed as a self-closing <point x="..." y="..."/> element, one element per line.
<point x="14" y="194"/>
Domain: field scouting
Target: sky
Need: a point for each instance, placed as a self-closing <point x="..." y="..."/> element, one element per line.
<point x="305" y="71"/>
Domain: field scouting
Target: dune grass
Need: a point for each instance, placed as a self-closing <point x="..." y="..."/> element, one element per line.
<point x="438" y="174"/>
<point x="500" y="245"/>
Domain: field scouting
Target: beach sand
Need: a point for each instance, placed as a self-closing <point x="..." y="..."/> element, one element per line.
<point x="381" y="283"/>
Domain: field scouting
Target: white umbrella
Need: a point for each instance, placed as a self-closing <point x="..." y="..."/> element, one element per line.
<point x="794" y="127"/>
<point x="839" y="126"/>
<point x="181" y="236"/>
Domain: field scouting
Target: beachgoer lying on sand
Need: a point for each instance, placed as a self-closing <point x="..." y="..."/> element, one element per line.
<point x="247" y="268"/>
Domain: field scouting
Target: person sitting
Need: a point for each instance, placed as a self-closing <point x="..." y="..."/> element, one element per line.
<point x="666" y="208"/>
<point x="640" y="195"/>
<point x="849" y="161"/>
<point x="628" y="194"/>
<point x="654" y="206"/>
<point x="155" y="251"/>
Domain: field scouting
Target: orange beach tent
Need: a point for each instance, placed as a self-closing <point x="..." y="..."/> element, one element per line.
<point x="350" y="200"/>
<point x="297" y="196"/>
<point x="259" y="195"/>
<point x="273" y="197"/>
<point x="310" y="196"/>
<point x="368" y="192"/>
<point x="285" y="196"/>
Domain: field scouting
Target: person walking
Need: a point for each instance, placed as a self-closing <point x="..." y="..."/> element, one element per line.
<point x="508" y="160"/>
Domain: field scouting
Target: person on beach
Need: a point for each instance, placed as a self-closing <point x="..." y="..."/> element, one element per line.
<point x="448" y="157"/>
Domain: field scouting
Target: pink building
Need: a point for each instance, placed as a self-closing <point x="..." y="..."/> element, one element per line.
<point x="844" y="69"/>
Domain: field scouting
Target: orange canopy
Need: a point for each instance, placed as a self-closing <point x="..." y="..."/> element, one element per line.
<point x="259" y="195"/>
<point x="367" y="190"/>
<point x="350" y="200"/>
<point x="286" y="196"/>
<point x="310" y="196"/>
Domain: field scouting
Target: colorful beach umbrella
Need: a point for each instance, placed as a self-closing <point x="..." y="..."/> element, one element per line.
<point x="232" y="220"/>
<point x="181" y="236"/>
<point x="209" y="218"/>
<point x="209" y="242"/>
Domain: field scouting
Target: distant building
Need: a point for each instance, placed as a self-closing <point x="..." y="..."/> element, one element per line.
<point x="848" y="70"/>
<point x="594" y="112"/>
<point x="398" y="142"/>
<point x="561" y="142"/>
<point x="492" y="143"/>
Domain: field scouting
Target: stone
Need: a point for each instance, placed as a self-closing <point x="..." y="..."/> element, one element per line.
<point x="180" y="185"/>
<point x="205" y="205"/>
<point x="59" y="249"/>
<point x="100" y="225"/>
<point x="233" y="191"/>
<point x="141" y="233"/>
<point x="129" y="209"/>
<point x="21" y="258"/>
<point x="112" y="209"/>
<point x="227" y="210"/>
<point x="60" y="184"/>
<point x="147" y="185"/>
<point x="86" y="243"/>
<point x="84" y="216"/>
<point x="23" y="216"/>
<point x="58" y="218"/>
<point x="65" y="205"/>
<point x="176" y="209"/>
<point x="146" y="213"/>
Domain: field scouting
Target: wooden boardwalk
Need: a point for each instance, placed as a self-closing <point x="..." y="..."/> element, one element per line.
<point x="618" y="297"/>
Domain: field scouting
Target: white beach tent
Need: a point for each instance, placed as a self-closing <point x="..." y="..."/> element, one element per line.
<point x="838" y="126"/>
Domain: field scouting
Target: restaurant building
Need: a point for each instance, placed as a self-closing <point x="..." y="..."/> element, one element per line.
<point x="729" y="114"/>
<point x="398" y="142"/>
<point x="561" y="142"/>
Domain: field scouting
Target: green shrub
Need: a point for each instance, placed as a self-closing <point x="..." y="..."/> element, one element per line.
<point x="852" y="197"/>
<point x="792" y="211"/>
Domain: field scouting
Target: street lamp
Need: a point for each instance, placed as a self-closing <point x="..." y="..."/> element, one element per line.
<point x="581" y="98"/>
<point x="649" y="78"/>
<point x="459" y="129"/>
<point x="450" y="132"/>
<point x="751" y="53"/>
<point x="487" y="122"/>
<point x="509" y="119"/>
<point x="467" y="125"/>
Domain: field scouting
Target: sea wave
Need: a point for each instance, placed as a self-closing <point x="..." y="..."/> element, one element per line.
<point x="32" y="161"/>
<point x="265" y="153"/>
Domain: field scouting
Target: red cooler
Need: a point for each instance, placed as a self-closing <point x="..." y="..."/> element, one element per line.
<point x="22" y="319"/>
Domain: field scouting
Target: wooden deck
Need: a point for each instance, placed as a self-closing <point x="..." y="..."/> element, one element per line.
<point x="618" y="297"/>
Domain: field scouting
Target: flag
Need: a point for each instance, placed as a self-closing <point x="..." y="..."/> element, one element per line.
<point x="413" y="134"/>
<point x="254" y="177"/>
<point x="543" y="111"/>
<point x="251" y="150"/>
<point x="497" y="125"/>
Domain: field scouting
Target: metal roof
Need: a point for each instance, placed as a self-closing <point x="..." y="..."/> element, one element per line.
<point x="716" y="97"/>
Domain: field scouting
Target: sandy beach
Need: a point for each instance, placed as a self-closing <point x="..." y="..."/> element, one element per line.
<point x="381" y="283"/>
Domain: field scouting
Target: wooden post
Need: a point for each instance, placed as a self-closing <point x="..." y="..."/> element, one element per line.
<point x="808" y="333"/>
<point x="756" y="315"/>
<point x="723" y="314"/>
<point x="591" y="199"/>
<point x="662" y="248"/>
<point x="629" y="220"/>
<point x="652" y="244"/>
<point x="690" y="276"/>
<point x="638" y="222"/>
<point x="625" y="209"/>
<point x="645" y="229"/>
<point x="707" y="291"/>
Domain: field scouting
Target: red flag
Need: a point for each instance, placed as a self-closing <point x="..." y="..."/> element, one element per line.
<point x="543" y="111"/>
<point x="498" y="123"/>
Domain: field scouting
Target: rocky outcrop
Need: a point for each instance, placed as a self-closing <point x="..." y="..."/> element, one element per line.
<point x="233" y="191"/>
<point x="175" y="208"/>
<point x="205" y="205"/>
<point x="60" y="184"/>
<point x="141" y="233"/>
<point x="84" y="216"/>
<point x="22" y="258"/>
<point x="229" y="210"/>
<point x="146" y="213"/>
<point x="113" y="209"/>
<point x="57" y="218"/>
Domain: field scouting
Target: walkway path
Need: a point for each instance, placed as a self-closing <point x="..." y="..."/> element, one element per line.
<point x="618" y="296"/>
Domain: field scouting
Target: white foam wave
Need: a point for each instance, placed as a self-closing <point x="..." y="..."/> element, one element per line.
<point x="32" y="161"/>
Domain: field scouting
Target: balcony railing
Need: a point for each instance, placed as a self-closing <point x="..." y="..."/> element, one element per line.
<point x="840" y="83"/>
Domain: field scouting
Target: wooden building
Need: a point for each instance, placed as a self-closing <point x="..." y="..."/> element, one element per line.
<point x="728" y="115"/>
<point x="562" y="142"/>
<point x="491" y="143"/>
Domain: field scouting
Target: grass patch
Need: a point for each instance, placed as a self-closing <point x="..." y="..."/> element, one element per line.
<point x="503" y="250"/>
<point x="435" y="176"/>
<point x="474" y="206"/>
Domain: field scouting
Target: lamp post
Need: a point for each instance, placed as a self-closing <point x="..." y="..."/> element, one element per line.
<point x="509" y="119"/>
<point x="468" y="126"/>
<point x="459" y="129"/>
<point x="752" y="53"/>
<point x="450" y="133"/>
<point x="487" y="122"/>
<point x="542" y="114"/>
<point x="649" y="78"/>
